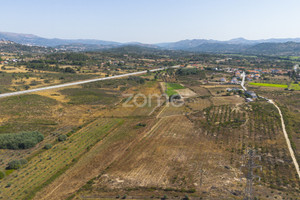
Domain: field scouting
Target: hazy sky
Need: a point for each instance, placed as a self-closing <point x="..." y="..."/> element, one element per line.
<point x="152" y="21"/>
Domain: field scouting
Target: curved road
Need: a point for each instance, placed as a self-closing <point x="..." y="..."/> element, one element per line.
<point x="283" y="128"/>
<point x="80" y="82"/>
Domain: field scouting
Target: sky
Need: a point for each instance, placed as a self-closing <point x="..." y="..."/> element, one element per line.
<point x="152" y="21"/>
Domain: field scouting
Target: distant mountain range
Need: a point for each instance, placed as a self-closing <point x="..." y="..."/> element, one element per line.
<point x="12" y="47"/>
<point x="284" y="46"/>
<point x="29" y="39"/>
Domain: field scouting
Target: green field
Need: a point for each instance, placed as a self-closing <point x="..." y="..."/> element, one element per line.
<point x="171" y="87"/>
<point x="269" y="85"/>
<point x="294" y="86"/>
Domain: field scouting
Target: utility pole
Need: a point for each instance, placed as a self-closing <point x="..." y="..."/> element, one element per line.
<point x="250" y="165"/>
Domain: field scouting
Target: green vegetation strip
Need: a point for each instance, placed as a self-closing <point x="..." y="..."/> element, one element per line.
<point x="269" y="85"/>
<point x="44" y="168"/>
<point x="171" y="87"/>
<point x="294" y="86"/>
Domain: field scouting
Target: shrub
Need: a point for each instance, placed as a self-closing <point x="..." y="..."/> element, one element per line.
<point x="17" y="164"/>
<point x="186" y="197"/>
<point x="8" y="185"/>
<point x="22" y="140"/>
<point x="141" y="124"/>
<point x="48" y="146"/>
<point x="62" y="138"/>
<point x="2" y="175"/>
<point x="137" y="79"/>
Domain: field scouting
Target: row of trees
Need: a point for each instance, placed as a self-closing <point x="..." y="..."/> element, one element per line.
<point x="188" y="71"/>
<point x="46" y="67"/>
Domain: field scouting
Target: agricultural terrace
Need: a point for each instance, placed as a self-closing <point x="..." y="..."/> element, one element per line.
<point x="48" y="165"/>
<point x="172" y="87"/>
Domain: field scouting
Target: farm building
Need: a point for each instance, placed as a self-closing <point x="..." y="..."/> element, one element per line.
<point x="251" y="94"/>
<point x="223" y="79"/>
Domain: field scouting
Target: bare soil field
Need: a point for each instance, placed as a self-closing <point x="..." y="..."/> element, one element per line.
<point x="173" y="110"/>
<point x="227" y="100"/>
<point x="201" y="91"/>
<point x="166" y="159"/>
<point x="198" y="104"/>
<point x="186" y="93"/>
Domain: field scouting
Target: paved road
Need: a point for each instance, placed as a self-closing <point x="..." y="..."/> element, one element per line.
<point x="80" y="82"/>
<point x="243" y="81"/>
<point x="283" y="128"/>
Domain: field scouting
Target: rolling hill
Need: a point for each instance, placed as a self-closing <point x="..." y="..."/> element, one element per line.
<point x="284" y="46"/>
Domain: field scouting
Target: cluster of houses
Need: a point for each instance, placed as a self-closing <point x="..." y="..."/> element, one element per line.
<point x="7" y="61"/>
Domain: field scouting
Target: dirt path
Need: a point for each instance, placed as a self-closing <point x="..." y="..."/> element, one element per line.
<point x="287" y="139"/>
<point x="283" y="129"/>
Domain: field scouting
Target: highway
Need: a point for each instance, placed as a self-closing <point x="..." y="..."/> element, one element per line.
<point x="282" y="125"/>
<point x="80" y="82"/>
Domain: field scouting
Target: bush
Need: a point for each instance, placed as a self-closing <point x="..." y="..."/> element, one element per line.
<point x="141" y="125"/>
<point x="62" y="138"/>
<point x="48" y="146"/>
<point x="186" y="197"/>
<point x="137" y="79"/>
<point x="17" y="164"/>
<point x="2" y="175"/>
<point x="23" y="140"/>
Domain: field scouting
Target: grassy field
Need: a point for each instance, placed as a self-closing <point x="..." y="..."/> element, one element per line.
<point x="171" y="87"/>
<point x="269" y="85"/>
<point x="27" y="113"/>
<point x="294" y="86"/>
<point x="50" y="163"/>
<point x="90" y="96"/>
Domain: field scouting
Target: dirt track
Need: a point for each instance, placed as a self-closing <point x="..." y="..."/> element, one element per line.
<point x="287" y="139"/>
<point x="283" y="129"/>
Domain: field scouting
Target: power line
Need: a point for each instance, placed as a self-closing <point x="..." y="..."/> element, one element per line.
<point x="249" y="159"/>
